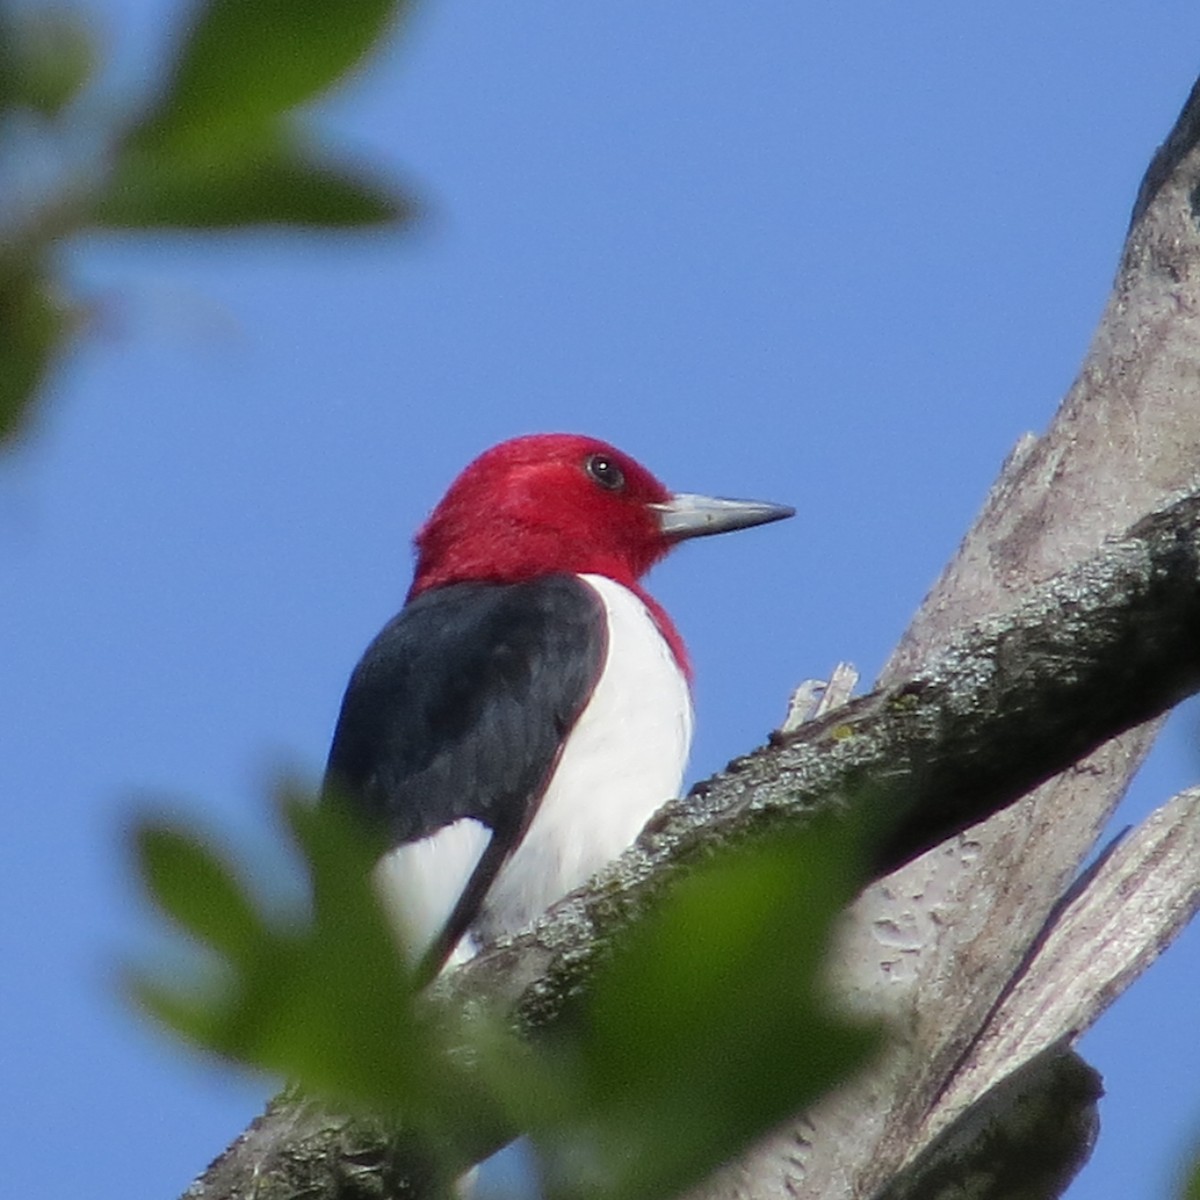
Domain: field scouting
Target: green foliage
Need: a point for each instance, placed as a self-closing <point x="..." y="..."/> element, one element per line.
<point x="704" y="1030"/>
<point x="263" y="182"/>
<point x="220" y="147"/>
<point x="32" y="326"/>
<point x="710" y="1026"/>
<point x="323" y="996"/>
<point x="46" y="58"/>
<point x="246" y="62"/>
<point x="1191" y="1186"/>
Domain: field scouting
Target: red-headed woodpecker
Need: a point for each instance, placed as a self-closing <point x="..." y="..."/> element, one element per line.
<point x="514" y="727"/>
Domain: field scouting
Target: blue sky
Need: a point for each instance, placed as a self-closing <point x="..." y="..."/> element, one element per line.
<point x="836" y="256"/>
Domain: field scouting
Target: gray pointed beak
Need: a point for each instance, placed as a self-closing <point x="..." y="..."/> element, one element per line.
<point x="688" y="516"/>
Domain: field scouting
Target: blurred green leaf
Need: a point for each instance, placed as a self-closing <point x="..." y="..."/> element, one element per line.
<point x="1191" y="1187"/>
<point x="268" y="181"/>
<point x="707" y="1027"/>
<point x="323" y="996"/>
<point x="33" y="329"/>
<point x="196" y="888"/>
<point x="45" y="59"/>
<point x="710" y="1026"/>
<point x="245" y="62"/>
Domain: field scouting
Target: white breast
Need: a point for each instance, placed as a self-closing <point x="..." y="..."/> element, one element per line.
<point x="623" y="759"/>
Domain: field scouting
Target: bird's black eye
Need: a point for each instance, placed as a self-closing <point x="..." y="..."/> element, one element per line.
<point x="605" y="472"/>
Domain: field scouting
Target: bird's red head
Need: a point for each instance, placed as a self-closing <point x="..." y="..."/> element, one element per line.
<point x="545" y="504"/>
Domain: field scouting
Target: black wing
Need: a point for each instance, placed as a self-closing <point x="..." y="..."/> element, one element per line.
<point x="459" y="708"/>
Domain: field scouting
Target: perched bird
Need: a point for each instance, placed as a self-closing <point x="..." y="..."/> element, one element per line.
<point x="514" y="727"/>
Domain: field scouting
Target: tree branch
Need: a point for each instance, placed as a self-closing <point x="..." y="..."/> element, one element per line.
<point x="1107" y="931"/>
